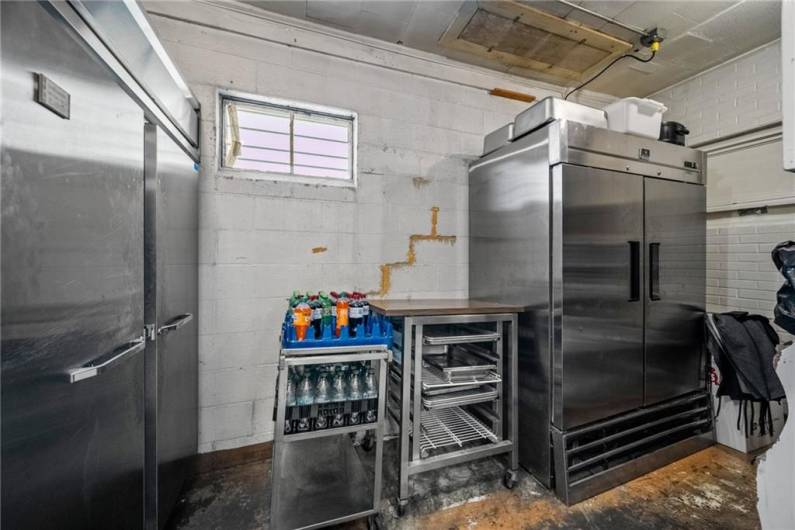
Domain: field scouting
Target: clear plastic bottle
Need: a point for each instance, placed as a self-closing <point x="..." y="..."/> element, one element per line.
<point x="291" y="401"/>
<point x="322" y="388"/>
<point x="338" y="395"/>
<point x="355" y="384"/>
<point x="370" y="386"/>
<point x="338" y="385"/>
<point x="306" y="390"/>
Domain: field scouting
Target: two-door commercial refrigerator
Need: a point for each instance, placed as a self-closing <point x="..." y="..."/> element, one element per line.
<point x="601" y="236"/>
<point x="99" y="270"/>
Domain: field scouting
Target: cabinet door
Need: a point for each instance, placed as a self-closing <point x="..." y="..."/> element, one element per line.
<point x="72" y="287"/>
<point x="675" y="279"/>
<point x="598" y="362"/>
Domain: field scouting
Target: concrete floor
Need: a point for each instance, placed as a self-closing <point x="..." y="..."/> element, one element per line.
<point x="715" y="488"/>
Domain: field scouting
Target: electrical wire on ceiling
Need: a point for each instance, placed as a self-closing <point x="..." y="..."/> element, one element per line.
<point x="606" y="68"/>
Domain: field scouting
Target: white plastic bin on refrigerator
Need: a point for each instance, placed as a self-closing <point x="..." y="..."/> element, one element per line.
<point x="635" y="116"/>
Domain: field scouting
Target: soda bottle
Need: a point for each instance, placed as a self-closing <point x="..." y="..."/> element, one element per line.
<point x="342" y="313"/>
<point x="365" y="308"/>
<point x="302" y="315"/>
<point x="317" y="314"/>
<point x="354" y="314"/>
<point x="327" y="311"/>
<point x="295" y="299"/>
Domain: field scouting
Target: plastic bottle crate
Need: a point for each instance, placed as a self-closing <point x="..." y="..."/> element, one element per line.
<point x="377" y="331"/>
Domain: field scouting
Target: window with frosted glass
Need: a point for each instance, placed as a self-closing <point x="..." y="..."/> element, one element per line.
<point x="287" y="140"/>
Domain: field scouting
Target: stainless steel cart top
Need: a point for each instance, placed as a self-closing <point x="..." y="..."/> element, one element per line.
<point x="452" y="306"/>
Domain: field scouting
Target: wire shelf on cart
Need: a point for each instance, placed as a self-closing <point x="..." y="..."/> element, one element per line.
<point x="451" y="427"/>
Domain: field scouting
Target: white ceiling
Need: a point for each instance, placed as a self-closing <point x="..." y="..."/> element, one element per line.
<point x="701" y="33"/>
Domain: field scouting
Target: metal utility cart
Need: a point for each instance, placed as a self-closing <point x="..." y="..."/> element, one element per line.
<point x="455" y="370"/>
<point x="329" y="475"/>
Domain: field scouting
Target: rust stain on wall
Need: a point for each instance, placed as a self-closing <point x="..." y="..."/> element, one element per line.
<point x="318" y="250"/>
<point x="411" y="253"/>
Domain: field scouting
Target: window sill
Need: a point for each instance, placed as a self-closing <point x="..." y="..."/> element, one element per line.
<point x="260" y="176"/>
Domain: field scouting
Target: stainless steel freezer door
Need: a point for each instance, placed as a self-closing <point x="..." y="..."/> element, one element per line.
<point x="171" y="223"/>
<point x="72" y="286"/>
<point x="675" y="293"/>
<point x="598" y="346"/>
<point x="177" y="318"/>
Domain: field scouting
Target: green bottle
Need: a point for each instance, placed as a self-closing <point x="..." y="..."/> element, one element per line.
<point x="327" y="310"/>
<point x="295" y="299"/>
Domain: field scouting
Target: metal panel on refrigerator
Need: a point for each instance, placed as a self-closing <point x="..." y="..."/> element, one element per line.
<point x="72" y="286"/>
<point x="172" y="361"/>
<point x="598" y="359"/>
<point x="509" y="263"/>
<point x="675" y="284"/>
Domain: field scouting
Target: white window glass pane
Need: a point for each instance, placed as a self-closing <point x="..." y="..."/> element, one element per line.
<point x="265" y="154"/>
<point x="321" y="130"/>
<point x="322" y="147"/>
<point x="263" y="139"/>
<point x="320" y="161"/>
<point x="315" y="172"/>
<point x="261" y="166"/>
<point x="268" y="122"/>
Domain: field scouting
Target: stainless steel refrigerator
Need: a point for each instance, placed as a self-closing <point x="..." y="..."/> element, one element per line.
<point x="601" y="236"/>
<point x="99" y="361"/>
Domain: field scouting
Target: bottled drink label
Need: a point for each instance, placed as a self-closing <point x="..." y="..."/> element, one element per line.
<point x="317" y="313"/>
<point x="355" y="312"/>
<point x="300" y="318"/>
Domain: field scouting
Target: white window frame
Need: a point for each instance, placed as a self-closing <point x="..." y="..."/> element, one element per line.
<point x="284" y="104"/>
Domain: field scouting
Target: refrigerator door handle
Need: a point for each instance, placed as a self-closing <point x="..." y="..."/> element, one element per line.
<point x="654" y="271"/>
<point x="102" y="363"/>
<point x="634" y="271"/>
<point x="175" y="323"/>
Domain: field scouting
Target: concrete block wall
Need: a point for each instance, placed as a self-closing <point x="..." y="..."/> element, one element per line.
<point x="737" y="96"/>
<point x="733" y="97"/>
<point x="422" y="118"/>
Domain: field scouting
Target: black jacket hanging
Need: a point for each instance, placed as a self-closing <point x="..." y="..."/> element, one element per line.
<point x="743" y="350"/>
<point x="784" y="259"/>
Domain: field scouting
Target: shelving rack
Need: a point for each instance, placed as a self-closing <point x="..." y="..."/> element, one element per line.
<point x="320" y="477"/>
<point x="465" y="413"/>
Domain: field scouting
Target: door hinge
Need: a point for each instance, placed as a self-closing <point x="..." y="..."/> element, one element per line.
<point x="150" y="332"/>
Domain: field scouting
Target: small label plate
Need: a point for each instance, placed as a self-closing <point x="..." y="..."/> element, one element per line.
<point x="51" y="96"/>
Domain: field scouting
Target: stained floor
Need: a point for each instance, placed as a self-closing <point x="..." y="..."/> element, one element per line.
<point x="715" y="488"/>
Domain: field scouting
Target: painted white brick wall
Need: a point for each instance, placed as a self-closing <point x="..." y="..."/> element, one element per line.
<point x="733" y="97"/>
<point x="736" y="96"/>
<point x="418" y="117"/>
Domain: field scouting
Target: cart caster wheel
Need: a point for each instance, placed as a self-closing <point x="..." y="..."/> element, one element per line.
<point x="375" y="522"/>
<point x="509" y="479"/>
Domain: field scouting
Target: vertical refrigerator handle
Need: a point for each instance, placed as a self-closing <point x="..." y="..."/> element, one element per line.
<point x="654" y="271"/>
<point x="634" y="271"/>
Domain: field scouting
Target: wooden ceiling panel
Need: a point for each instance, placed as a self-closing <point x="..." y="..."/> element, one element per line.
<point x="516" y="35"/>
